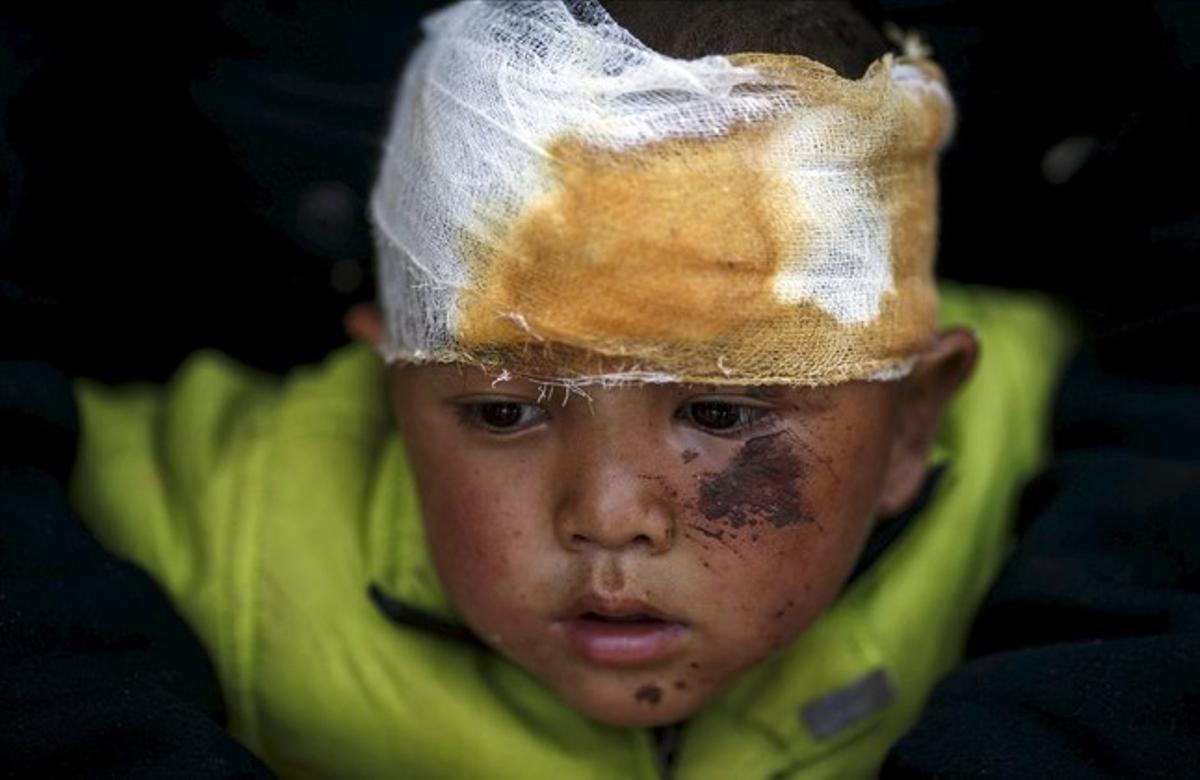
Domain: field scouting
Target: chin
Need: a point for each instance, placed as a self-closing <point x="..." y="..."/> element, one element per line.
<point x="637" y="707"/>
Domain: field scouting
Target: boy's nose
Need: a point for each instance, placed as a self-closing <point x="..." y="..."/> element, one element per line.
<point x="611" y="508"/>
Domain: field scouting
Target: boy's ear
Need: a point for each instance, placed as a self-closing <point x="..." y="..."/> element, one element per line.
<point x="923" y="397"/>
<point x="363" y="323"/>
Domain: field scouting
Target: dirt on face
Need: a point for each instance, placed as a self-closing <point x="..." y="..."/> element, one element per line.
<point x="758" y="486"/>
<point x="649" y="694"/>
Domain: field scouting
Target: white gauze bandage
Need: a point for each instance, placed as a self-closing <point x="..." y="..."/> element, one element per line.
<point x="558" y="200"/>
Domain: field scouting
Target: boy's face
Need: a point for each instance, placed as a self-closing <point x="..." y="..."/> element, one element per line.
<point x="639" y="550"/>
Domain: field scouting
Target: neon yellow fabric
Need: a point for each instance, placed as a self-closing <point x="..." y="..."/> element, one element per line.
<point x="266" y="507"/>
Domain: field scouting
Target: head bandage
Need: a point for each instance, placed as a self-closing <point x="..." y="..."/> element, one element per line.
<point x="558" y="200"/>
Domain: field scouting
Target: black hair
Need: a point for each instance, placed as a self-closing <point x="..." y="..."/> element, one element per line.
<point x="842" y="34"/>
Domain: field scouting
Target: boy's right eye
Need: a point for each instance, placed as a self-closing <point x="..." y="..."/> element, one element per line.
<point x="500" y="416"/>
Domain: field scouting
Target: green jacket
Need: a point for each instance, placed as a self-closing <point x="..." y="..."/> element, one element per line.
<point x="267" y="507"/>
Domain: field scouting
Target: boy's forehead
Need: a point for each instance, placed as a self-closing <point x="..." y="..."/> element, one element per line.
<point x="465" y="378"/>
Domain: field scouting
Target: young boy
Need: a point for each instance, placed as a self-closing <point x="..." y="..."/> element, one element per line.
<point x="647" y="486"/>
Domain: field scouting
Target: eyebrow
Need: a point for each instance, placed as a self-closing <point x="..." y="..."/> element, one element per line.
<point x="755" y="391"/>
<point x="766" y="391"/>
<point x="814" y="399"/>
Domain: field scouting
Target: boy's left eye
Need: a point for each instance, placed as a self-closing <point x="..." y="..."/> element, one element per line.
<point x="722" y="417"/>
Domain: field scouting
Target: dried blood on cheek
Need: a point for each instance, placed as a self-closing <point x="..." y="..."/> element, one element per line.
<point x="760" y="485"/>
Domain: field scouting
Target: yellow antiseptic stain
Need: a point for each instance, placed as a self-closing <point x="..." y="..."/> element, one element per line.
<point x="664" y="257"/>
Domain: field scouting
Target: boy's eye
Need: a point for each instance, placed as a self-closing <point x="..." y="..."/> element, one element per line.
<point x="500" y="416"/>
<point x="722" y="416"/>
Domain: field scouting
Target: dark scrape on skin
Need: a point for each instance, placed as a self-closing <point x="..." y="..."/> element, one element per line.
<point x="759" y="485"/>
<point x="689" y="455"/>
<point x="717" y="535"/>
<point x="662" y="481"/>
<point x="650" y="694"/>
<point x="824" y="460"/>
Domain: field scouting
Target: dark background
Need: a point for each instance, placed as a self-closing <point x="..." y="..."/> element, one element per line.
<point x="180" y="175"/>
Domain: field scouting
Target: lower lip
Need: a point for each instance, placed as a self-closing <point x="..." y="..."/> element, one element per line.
<point x="623" y="644"/>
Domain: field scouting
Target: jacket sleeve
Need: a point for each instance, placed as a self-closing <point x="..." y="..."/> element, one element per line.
<point x="1083" y="661"/>
<point x="99" y="677"/>
<point x="148" y="454"/>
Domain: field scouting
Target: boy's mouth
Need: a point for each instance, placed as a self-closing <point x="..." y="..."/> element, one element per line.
<point x="634" y="618"/>
<point x="620" y="633"/>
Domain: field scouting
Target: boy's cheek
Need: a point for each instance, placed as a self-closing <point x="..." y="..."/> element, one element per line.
<point x="773" y="588"/>
<point x="490" y="555"/>
<point x="473" y="535"/>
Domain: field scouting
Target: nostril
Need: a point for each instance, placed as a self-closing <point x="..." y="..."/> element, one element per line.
<point x="583" y="540"/>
